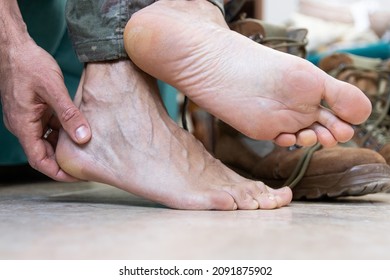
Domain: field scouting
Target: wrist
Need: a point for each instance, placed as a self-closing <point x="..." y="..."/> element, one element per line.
<point x="15" y="32"/>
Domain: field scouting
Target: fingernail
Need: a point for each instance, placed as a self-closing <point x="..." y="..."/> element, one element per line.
<point x="81" y="132"/>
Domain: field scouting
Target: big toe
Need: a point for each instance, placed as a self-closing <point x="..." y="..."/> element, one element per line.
<point x="347" y="101"/>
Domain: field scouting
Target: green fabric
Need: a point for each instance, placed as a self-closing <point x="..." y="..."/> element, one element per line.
<point x="46" y="24"/>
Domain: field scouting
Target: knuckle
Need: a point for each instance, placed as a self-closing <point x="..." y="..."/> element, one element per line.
<point x="70" y="114"/>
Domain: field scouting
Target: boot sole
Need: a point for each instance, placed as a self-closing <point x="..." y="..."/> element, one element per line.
<point x="356" y="181"/>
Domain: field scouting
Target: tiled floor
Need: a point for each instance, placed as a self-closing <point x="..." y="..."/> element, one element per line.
<point x="94" y="221"/>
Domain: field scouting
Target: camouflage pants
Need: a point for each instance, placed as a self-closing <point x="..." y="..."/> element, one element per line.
<point x="96" y="26"/>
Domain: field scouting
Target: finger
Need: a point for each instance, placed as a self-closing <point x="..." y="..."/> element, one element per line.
<point x="70" y="117"/>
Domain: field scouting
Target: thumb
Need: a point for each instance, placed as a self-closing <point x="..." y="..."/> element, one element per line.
<point x="72" y="120"/>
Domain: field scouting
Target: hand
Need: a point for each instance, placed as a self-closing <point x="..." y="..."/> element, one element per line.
<point x="35" y="101"/>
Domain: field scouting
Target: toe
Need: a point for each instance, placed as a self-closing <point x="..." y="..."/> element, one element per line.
<point x="271" y="198"/>
<point x="340" y="96"/>
<point x="244" y="195"/>
<point x="245" y="200"/>
<point x="256" y="195"/>
<point x="306" y="138"/>
<point x="285" y="139"/>
<point x="283" y="195"/>
<point x="219" y="200"/>
<point x="332" y="127"/>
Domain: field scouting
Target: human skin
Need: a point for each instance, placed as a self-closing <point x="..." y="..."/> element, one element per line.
<point x="137" y="147"/>
<point x="264" y="93"/>
<point x="34" y="96"/>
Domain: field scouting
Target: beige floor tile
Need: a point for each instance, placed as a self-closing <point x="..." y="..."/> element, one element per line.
<point x="95" y="221"/>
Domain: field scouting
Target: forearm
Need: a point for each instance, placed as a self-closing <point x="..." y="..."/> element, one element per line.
<point x="13" y="30"/>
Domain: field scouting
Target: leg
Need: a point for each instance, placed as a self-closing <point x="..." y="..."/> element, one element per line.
<point x="274" y="96"/>
<point x="138" y="148"/>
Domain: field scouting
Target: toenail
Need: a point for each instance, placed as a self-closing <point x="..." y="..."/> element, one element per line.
<point x="81" y="132"/>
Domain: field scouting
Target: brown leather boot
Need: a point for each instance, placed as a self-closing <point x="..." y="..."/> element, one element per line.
<point x="372" y="76"/>
<point x="312" y="173"/>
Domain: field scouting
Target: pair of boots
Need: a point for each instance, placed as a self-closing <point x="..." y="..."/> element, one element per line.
<point x="358" y="167"/>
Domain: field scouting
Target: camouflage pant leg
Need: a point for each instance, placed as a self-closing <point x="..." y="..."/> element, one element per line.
<point x="96" y="26"/>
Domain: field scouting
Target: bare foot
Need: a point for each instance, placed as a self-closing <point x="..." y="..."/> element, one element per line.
<point x="138" y="148"/>
<point x="263" y="93"/>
